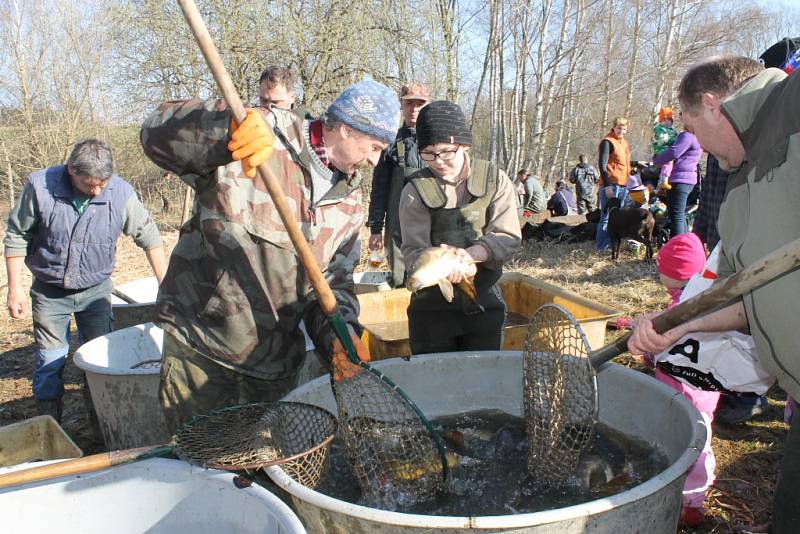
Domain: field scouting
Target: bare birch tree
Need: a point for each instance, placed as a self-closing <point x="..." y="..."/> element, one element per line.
<point x="51" y="88"/>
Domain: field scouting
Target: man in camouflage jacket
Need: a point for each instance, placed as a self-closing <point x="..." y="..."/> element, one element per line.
<point x="235" y="291"/>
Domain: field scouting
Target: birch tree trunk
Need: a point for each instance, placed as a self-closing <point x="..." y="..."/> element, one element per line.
<point x="576" y="53"/>
<point x="539" y="90"/>
<point x="662" y="76"/>
<point x="553" y="68"/>
<point x="521" y="24"/>
<point x="635" y="30"/>
<point x="607" y="68"/>
<point x="448" y="16"/>
<point x="487" y="58"/>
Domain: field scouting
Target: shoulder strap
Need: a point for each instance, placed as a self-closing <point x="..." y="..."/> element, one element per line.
<point x="427" y="188"/>
<point x="401" y="152"/>
<point x="478" y="182"/>
<point x="303" y="157"/>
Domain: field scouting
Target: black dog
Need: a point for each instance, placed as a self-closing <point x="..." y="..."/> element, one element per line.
<point x="629" y="223"/>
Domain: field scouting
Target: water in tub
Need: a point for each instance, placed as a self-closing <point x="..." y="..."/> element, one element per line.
<point x="488" y="452"/>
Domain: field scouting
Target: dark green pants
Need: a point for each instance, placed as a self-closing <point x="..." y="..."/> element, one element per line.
<point x="192" y="384"/>
<point x="786" y="502"/>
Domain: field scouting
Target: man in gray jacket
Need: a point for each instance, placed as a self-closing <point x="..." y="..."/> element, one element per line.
<point x="584" y="176"/>
<point x="747" y="118"/>
<point x="65" y="228"/>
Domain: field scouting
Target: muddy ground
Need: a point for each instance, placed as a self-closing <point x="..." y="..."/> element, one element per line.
<point x="747" y="455"/>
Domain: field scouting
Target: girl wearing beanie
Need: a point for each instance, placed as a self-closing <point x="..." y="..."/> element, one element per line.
<point x="702" y="365"/>
<point x="681" y="258"/>
<point x="469" y="206"/>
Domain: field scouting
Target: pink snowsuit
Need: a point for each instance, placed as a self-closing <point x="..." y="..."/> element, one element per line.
<point x="702" y="474"/>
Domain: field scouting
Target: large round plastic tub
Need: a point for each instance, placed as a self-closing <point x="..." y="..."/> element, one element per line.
<point x="140" y="306"/>
<point x="122" y="369"/>
<point x="444" y="384"/>
<point x="153" y="496"/>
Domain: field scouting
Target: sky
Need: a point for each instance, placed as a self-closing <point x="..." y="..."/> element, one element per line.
<point x="787" y="3"/>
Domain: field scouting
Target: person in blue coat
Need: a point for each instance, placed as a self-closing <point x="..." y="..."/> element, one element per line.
<point x="563" y="201"/>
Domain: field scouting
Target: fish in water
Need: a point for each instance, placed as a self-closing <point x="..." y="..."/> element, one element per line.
<point x="510" y="444"/>
<point x="432" y="268"/>
<point x="592" y="472"/>
<point x="408" y="471"/>
<point x="456" y="440"/>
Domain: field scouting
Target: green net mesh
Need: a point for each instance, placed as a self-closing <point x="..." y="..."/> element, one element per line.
<point x="559" y="396"/>
<point x="254" y="436"/>
<point x="390" y="451"/>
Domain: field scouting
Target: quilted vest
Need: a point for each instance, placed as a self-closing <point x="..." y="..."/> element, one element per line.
<point x="619" y="161"/>
<point x="72" y="250"/>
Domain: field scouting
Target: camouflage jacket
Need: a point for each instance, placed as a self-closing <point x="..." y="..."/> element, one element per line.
<point x="235" y="290"/>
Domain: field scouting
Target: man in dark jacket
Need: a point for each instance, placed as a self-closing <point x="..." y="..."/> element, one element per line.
<point x="400" y="160"/>
<point x="584" y="176"/>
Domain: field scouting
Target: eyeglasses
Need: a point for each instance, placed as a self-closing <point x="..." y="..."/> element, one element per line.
<point x="444" y="155"/>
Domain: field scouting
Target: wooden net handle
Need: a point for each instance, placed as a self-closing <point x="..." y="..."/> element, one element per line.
<point x="325" y="296"/>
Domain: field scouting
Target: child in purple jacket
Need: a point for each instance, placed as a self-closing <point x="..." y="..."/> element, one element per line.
<point x="685" y="152"/>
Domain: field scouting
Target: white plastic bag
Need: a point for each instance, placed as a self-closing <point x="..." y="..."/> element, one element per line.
<point x="714" y="361"/>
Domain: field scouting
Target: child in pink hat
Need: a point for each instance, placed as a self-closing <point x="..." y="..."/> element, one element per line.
<point x="679" y="259"/>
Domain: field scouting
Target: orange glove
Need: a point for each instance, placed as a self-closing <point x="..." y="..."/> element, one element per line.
<point x="342" y="366"/>
<point x="251" y="142"/>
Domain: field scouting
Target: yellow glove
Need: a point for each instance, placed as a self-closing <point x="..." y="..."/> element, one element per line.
<point x="342" y="366"/>
<point x="251" y="142"/>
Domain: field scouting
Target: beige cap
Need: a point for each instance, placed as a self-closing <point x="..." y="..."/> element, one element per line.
<point x="415" y="91"/>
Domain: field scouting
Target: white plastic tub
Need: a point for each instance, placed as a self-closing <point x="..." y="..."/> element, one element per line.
<point x="142" y="295"/>
<point x="369" y="281"/>
<point x="154" y="496"/>
<point x="141" y="291"/>
<point x="35" y="439"/>
<point x="122" y="369"/>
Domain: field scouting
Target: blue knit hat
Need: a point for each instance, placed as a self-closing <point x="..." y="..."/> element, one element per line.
<point x="369" y="107"/>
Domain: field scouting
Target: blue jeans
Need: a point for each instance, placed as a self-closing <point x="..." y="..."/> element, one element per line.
<point x="676" y="208"/>
<point x="602" y="239"/>
<point x="52" y="308"/>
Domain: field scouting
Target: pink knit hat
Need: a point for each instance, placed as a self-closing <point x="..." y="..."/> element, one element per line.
<point x="682" y="257"/>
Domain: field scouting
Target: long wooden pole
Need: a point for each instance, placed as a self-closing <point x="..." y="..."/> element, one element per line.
<point x="768" y="268"/>
<point x="87" y="464"/>
<point x="323" y="291"/>
<point x="187" y="204"/>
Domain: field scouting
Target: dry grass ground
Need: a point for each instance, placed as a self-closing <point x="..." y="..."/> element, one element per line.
<point x="747" y="455"/>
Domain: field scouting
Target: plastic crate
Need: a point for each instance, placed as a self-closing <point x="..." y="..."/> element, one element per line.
<point x="36" y="439"/>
